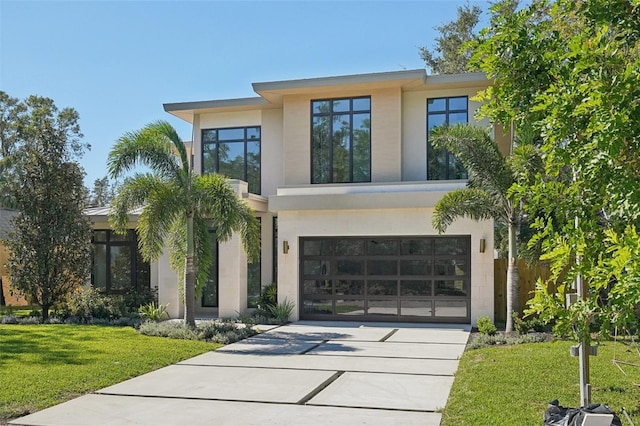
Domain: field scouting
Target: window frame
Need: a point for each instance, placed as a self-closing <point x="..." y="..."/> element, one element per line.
<point x="351" y="112"/>
<point x="447" y="112"/>
<point x="216" y="262"/>
<point x="245" y="141"/>
<point x="135" y="261"/>
<point x="258" y="266"/>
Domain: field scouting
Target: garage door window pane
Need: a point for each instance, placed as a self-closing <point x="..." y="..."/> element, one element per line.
<point x="415" y="288"/>
<point x="418" y="308"/>
<point x="382" y="267"/>
<point x="451" y="308"/>
<point x="318" y="307"/>
<point x="318" y="248"/>
<point x="450" y="247"/>
<point x="383" y="247"/>
<point x="417" y="247"/>
<point x="450" y="267"/>
<point x="382" y="288"/>
<point x="350" y="267"/>
<point x="317" y="267"/>
<point x="450" y="288"/>
<point x="415" y="267"/>
<point x="353" y="287"/>
<point x="317" y="287"/>
<point x="350" y="307"/>
<point x="382" y="307"/>
<point x="349" y="247"/>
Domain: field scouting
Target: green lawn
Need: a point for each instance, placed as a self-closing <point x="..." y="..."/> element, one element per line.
<point x="43" y="365"/>
<point x="511" y="385"/>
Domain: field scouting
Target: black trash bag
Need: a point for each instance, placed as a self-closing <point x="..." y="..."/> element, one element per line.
<point x="557" y="415"/>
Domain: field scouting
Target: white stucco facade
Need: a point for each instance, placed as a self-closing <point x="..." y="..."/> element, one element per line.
<point x="398" y="201"/>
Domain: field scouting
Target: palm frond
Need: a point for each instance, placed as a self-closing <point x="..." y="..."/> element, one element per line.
<point x="474" y="203"/>
<point x="156" y="146"/>
<point x="204" y="240"/>
<point x="164" y="204"/>
<point x="487" y="167"/>
<point x="133" y="193"/>
<point x="219" y="203"/>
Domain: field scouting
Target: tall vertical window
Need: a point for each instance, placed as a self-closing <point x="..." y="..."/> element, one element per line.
<point x="233" y="152"/>
<point x="210" y="290"/>
<point x="254" y="277"/>
<point x="441" y="164"/>
<point x="274" y="270"/>
<point x="117" y="265"/>
<point x="341" y="140"/>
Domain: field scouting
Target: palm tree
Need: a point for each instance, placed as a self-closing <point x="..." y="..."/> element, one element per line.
<point x="179" y="207"/>
<point x="488" y="194"/>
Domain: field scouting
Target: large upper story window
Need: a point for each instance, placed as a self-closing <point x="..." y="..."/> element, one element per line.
<point x="341" y="140"/>
<point x="441" y="164"/>
<point x="233" y="152"/>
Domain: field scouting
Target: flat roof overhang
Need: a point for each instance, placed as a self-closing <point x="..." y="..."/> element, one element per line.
<point x="187" y="110"/>
<point x="272" y="93"/>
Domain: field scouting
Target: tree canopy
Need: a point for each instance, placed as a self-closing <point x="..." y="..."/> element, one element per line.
<point x="450" y="54"/>
<point x="180" y="208"/>
<point x="571" y="70"/>
<point x="50" y="243"/>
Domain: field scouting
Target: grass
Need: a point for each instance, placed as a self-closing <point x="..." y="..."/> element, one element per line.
<point x="511" y="385"/>
<point x="43" y="365"/>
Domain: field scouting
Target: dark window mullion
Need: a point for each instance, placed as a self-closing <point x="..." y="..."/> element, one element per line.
<point x="246" y="158"/>
<point x="351" y="141"/>
<point x="331" y="142"/>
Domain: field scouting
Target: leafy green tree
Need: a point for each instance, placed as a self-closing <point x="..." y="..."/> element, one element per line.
<point x="12" y="116"/>
<point x="50" y="243"/>
<point x="488" y="195"/>
<point x="451" y="55"/>
<point x="580" y="61"/>
<point x="179" y="207"/>
<point x="102" y="193"/>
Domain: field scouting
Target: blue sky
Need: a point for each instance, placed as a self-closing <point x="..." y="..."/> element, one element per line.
<point x="117" y="62"/>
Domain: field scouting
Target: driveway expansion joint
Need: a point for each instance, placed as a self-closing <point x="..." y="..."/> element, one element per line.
<point x="391" y="333"/>
<point x="322" y="386"/>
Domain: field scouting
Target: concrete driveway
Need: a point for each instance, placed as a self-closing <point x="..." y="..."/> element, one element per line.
<point x="305" y="373"/>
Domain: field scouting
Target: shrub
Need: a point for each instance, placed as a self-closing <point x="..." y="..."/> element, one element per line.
<point x="282" y="311"/>
<point x="524" y="326"/>
<point x="267" y="300"/>
<point x="8" y="319"/>
<point x="223" y="332"/>
<point x="153" y="312"/>
<point x="485" y="326"/>
<point x="171" y="329"/>
<point x="483" y="340"/>
<point x="88" y="305"/>
<point x="213" y="331"/>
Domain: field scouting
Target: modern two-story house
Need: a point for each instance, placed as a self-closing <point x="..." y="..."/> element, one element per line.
<point x="343" y="178"/>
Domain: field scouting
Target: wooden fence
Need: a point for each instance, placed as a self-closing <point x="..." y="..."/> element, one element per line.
<point x="529" y="275"/>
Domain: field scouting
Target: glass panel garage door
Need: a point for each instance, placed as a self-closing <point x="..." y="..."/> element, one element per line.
<point x="424" y="279"/>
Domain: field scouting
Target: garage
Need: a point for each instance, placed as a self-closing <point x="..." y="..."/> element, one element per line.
<point x="408" y="278"/>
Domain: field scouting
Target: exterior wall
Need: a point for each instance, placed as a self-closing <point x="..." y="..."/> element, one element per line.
<point x="270" y="121"/>
<point x="9" y="299"/>
<point x="272" y="166"/>
<point x="398" y="154"/>
<point x="414" y="127"/>
<point x="390" y="222"/>
<point x="385" y="134"/>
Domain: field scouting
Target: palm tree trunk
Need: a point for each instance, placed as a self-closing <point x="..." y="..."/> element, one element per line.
<point x="513" y="278"/>
<point x="189" y="278"/>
